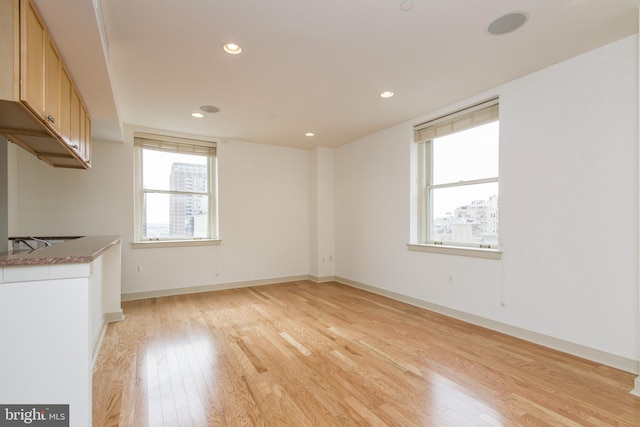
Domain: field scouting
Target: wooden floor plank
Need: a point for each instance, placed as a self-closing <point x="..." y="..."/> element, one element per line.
<point x="306" y="354"/>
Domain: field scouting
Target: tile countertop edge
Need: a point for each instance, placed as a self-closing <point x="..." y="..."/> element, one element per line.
<point x="77" y="251"/>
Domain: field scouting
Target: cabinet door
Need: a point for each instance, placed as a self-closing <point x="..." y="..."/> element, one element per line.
<point x="52" y="76"/>
<point x="86" y="146"/>
<point x="83" y="130"/>
<point x="32" y="42"/>
<point x="74" y="141"/>
<point x="65" y="105"/>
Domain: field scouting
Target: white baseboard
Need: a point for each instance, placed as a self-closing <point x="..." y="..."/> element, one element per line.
<point x="322" y="279"/>
<point x="208" y="288"/>
<point x="115" y="316"/>
<point x="636" y="387"/>
<point x="98" y="342"/>
<point x="106" y="319"/>
<point x="598" y="356"/>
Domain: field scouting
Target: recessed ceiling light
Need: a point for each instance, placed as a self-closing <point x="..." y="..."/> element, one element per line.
<point x="309" y="134"/>
<point x="209" y="109"/>
<point x="406" y="5"/>
<point x="197" y="115"/>
<point x="232" y="48"/>
<point x="386" y="94"/>
<point x="507" y="23"/>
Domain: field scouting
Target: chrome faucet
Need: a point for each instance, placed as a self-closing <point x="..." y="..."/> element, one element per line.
<point x="38" y="240"/>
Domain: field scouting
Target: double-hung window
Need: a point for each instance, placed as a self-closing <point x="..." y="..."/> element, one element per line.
<point x="458" y="178"/>
<point x="175" y="189"/>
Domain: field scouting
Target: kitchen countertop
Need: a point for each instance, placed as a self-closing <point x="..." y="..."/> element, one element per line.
<point x="77" y="251"/>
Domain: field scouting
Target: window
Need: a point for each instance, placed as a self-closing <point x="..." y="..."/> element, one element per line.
<point x="175" y="189"/>
<point x="458" y="178"/>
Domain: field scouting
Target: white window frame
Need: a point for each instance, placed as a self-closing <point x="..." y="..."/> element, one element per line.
<point x="476" y="115"/>
<point x="177" y="145"/>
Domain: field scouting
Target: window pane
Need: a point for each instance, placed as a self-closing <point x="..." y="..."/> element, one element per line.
<point x="173" y="171"/>
<point x="466" y="214"/>
<point x="175" y="216"/>
<point x="467" y="155"/>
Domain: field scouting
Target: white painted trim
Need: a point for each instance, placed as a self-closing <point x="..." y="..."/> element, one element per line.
<point x="598" y="356"/>
<point x="456" y="250"/>
<point x="174" y="243"/>
<point x="208" y="288"/>
<point x="116" y="316"/>
<point x="97" y="345"/>
<point x="30" y="273"/>
<point x="323" y="279"/>
<point x="636" y="387"/>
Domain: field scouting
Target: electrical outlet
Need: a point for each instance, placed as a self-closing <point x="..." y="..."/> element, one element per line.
<point x="139" y="269"/>
<point x="451" y="279"/>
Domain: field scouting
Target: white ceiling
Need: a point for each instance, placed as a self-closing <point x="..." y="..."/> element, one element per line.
<point x="308" y="65"/>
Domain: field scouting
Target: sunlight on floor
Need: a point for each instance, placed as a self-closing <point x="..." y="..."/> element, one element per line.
<point x="178" y="373"/>
<point x="454" y="405"/>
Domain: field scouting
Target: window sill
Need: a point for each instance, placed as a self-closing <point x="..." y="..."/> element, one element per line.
<point x="456" y="250"/>
<point x="174" y="243"/>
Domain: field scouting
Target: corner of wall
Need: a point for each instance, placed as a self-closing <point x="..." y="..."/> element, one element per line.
<point x="321" y="212"/>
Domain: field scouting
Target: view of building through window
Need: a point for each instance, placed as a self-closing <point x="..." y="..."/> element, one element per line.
<point x="464" y="186"/>
<point x="475" y="222"/>
<point x="176" y="198"/>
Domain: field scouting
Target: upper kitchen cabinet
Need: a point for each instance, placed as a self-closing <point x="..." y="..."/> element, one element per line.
<point x="85" y="136"/>
<point x="66" y="89"/>
<point x="52" y="82"/>
<point x="32" y="58"/>
<point x="80" y="128"/>
<point x="41" y="110"/>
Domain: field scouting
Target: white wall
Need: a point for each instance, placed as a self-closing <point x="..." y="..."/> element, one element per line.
<point x="264" y="211"/>
<point x="568" y="200"/>
<point x="263" y="198"/>
<point x="321" y="213"/>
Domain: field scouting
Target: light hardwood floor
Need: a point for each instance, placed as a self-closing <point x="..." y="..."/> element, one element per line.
<point x="306" y="354"/>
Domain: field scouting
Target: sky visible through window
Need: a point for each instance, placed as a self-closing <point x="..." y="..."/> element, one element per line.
<point x="463" y="156"/>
